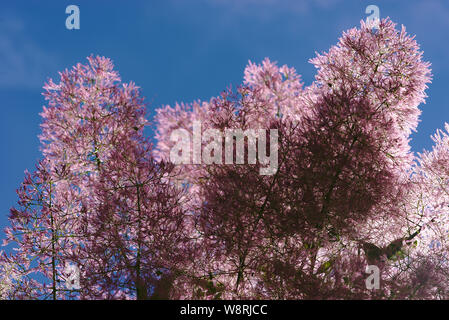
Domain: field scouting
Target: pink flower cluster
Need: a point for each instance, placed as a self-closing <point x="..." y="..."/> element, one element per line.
<point x="347" y="192"/>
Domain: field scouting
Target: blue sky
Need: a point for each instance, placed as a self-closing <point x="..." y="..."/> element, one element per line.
<point x="183" y="50"/>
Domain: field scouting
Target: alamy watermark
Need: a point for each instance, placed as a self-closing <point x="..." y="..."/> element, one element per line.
<point x="190" y="150"/>
<point x="373" y="281"/>
<point x="72" y="277"/>
<point x="374" y="17"/>
<point x="72" y="21"/>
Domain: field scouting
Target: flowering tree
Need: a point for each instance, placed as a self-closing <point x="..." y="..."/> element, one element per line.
<point x="98" y="201"/>
<point x="346" y="192"/>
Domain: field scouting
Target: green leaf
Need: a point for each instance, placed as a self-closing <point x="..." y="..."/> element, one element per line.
<point x="325" y="267"/>
<point x="200" y="293"/>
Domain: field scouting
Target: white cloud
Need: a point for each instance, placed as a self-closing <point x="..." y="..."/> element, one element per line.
<point x="264" y="10"/>
<point x="23" y="63"/>
<point x="432" y="20"/>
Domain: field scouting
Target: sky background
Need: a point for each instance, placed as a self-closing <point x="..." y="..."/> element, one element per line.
<point x="184" y="50"/>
